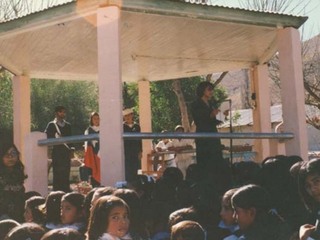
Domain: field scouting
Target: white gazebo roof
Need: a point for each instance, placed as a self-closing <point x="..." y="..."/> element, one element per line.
<point x="159" y="40"/>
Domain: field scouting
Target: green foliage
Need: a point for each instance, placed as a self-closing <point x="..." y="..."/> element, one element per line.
<point x="6" y="98"/>
<point x="79" y="98"/>
<point x="165" y="108"/>
<point x="130" y="95"/>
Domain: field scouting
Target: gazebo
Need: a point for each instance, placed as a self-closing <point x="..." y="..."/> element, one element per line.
<point x="111" y="41"/>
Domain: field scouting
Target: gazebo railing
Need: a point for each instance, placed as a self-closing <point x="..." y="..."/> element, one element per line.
<point x="143" y="135"/>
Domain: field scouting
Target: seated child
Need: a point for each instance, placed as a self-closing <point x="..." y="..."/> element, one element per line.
<point x="252" y="207"/>
<point x="32" y="213"/>
<point x="109" y="219"/>
<point x="228" y="226"/>
<point x="52" y="210"/>
<point x="187" y="230"/>
<point x="72" y="212"/>
<point x="26" y="231"/>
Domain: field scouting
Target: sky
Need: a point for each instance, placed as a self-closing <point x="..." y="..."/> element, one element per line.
<point x="310" y="8"/>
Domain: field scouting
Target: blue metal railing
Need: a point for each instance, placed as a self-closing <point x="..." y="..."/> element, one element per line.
<point x="83" y="138"/>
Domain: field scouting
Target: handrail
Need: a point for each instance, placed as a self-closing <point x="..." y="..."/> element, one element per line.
<point x="144" y="135"/>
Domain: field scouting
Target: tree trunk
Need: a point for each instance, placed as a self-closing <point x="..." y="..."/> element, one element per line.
<point x="176" y="85"/>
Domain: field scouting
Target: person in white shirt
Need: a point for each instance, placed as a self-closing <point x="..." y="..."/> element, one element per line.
<point x="183" y="158"/>
<point x="163" y="146"/>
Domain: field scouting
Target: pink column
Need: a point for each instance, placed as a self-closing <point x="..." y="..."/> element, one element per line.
<point x="145" y="118"/>
<point x="21" y="111"/>
<point x="36" y="163"/>
<point x="261" y="113"/>
<point x="110" y="95"/>
<point x="292" y="92"/>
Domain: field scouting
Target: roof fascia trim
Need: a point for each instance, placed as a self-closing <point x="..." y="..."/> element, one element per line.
<point x="212" y="13"/>
<point x="81" y="8"/>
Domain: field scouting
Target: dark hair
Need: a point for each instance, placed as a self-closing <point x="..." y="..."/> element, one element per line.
<point x="52" y="206"/>
<point x="102" y="191"/>
<point x="33" y="204"/>
<point x="87" y="202"/>
<point x="187" y="230"/>
<point x="132" y="199"/>
<point x="173" y="174"/>
<point x="98" y="221"/>
<point x="26" y="231"/>
<point x="228" y="195"/>
<point x="308" y="168"/>
<point x="251" y="196"/>
<point x="59" y="108"/>
<point x="202" y="87"/>
<point x="75" y="199"/>
<point x="30" y="194"/>
<point x="18" y="168"/>
<point x="63" y="234"/>
<point x="194" y="173"/>
<point x="183" y="214"/>
<point x="91" y="116"/>
<point x="6" y="226"/>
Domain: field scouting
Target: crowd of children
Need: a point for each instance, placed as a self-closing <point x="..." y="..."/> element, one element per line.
<point x="278" y="199"/>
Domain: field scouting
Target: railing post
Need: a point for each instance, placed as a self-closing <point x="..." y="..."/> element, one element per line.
<point x="36" y="164"/>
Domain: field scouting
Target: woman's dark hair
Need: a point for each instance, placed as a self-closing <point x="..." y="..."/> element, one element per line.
<point x="5" y="146"/>
<point x="63" y="234"/>
<point x="251" y="196"/>
<point x="31" y="231"/>
<point x="308" y="168"/>
<point x="202" y="87"/>
<point x="33" y="204"/>
<point x="91" y="116"/>
<point x="98" y="221"/>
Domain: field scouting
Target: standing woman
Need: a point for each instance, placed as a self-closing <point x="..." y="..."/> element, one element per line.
<point x="132" y="148"/>
<point x="209" y="150"/>
<point x="91" y="158"/>
<point x="12" y="178"/>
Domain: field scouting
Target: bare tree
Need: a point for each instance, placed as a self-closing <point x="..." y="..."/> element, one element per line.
<point x="279" y="6"/>
<point x="310" y="57"/>
<point x="11" y="9"/>
<point x="176" y="86"/>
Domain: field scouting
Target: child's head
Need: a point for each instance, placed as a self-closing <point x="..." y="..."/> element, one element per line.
<point x="72" y="208"/>
<point x="63" y="234"/>
<point x="183" y="214"/>
<point x="187" y="230"/>
<point x="309" y="184"/>
<point x="101" y="191"/>
<point x="6" y="226"/>
<point x="32" y="213"/>
<point x="31" y="231"/>
<point x="110" y="214"/>
<point x="94" y="119"/>
<point x="250" y="203"/>
<point x="226" y="212"/>
<point x="52" y="206"/>
<point x="132" y="199"/>
<point x="179" y="128"/>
